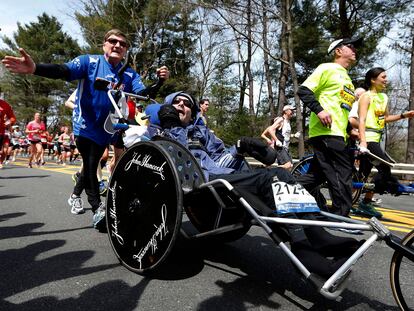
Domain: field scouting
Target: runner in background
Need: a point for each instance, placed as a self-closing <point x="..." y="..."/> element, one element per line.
<point x="7" y="119"/>
<point x="64" y="138"/>
<point x="16" y="139"/>
<point x="33" y="130"/>
<point x="278" y="137"/>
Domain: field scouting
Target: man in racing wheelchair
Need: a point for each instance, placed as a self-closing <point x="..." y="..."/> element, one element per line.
<point x="322" y="252"/>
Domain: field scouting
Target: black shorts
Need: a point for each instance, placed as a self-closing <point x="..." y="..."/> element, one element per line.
<point x="282" y="156"/>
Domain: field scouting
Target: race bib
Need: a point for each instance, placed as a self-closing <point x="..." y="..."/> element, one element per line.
<point x="293" y="199"/>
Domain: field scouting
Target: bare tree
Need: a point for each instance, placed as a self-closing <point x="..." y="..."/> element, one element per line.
<point x="266" y="63"/>
<point x="284" y="55"/>
<point x="292" y="68"/>
<point x="209" y="44"/>
<point x="410" y="145"/>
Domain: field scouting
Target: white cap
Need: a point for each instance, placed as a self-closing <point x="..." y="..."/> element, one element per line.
<point x="356" y="42"/>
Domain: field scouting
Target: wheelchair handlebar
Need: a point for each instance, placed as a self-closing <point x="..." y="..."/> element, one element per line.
<point x="375" y="157"/>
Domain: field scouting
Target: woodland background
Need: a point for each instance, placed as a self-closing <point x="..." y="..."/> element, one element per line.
<point x="248" y="56"/>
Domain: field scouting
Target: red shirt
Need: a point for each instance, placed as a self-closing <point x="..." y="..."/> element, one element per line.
<point x="33" y="125"/>
<point x="6" y="112"/>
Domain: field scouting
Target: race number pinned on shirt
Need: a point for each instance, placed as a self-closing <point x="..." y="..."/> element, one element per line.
<point x="292" y="199"/>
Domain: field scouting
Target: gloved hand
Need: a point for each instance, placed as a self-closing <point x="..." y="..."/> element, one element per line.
<point x="297" y="135"/>
<point x="363" y="150"/>
<point x="169" y="117"/>
<point x="257" y="149"/>
<point x="279" y="143"/>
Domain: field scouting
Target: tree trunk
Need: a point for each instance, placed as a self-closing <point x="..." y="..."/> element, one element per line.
<point x="301" y="145"/>
<point x="284" y="70"/>
<point x="410" y="138"/>
<point x="249" y="57"/>
<point x="266" y="63"/>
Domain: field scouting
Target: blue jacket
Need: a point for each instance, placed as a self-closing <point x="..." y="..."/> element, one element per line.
<point x="214" y="157"/>
<point x="92" y="106"/>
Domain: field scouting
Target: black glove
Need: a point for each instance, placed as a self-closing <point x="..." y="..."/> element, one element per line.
<point x="257" y="149"/>
<point x="169" y="117"/>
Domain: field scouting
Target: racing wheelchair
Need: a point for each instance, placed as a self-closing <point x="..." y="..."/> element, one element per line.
<point x="155" y="182"/>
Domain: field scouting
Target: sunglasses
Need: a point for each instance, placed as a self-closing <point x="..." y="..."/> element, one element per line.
<point x="115" y="41"/>
<point x="351" y="46"/>
<point x="186" y="102"/>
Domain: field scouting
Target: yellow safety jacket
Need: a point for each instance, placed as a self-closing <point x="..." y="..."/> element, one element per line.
<point x="375" y="120"/>
<point x="334" y="90"/>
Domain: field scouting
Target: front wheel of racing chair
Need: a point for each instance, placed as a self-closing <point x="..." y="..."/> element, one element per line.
<point x="144" y="207"/>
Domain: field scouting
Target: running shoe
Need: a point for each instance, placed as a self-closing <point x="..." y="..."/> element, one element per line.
<point x="367" y="209"/>
<point x="102" y="187"/>
<point x="376" y="202"/>
<point x="75" y="177"/>
<point x="30" y="165"/>
<point x="76" y="204"/>
<point x="98" y="219"/>
<point x="1" y="166"/>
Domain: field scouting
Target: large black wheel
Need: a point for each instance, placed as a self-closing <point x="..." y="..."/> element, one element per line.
<point x="200" y="206"/>
<point x="144" y="207"/>
<point x="402" y="276"/>
<point x="302" y="168"/>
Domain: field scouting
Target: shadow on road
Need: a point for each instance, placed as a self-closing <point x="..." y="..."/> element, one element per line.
<point x="113" y="295"/>
<point x="265" y="265"/>
<point x="26" y="176"/>
<point x="11" y="215"/>
<point x="10" y="196"/>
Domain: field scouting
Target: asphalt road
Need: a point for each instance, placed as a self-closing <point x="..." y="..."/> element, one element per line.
<point x="53" y="260"/>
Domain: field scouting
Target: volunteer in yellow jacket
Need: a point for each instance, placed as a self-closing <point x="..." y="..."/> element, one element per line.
<point x="373" y="114"/>
<point x="329" y="93"/>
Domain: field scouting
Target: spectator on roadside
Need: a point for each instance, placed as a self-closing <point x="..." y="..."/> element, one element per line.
<point x="204" y="104"/>
<point x="96" y="74"/>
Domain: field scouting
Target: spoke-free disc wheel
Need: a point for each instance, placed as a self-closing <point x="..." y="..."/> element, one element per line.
<point x="144" y="207"/>
<point x="402" y="276"/>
